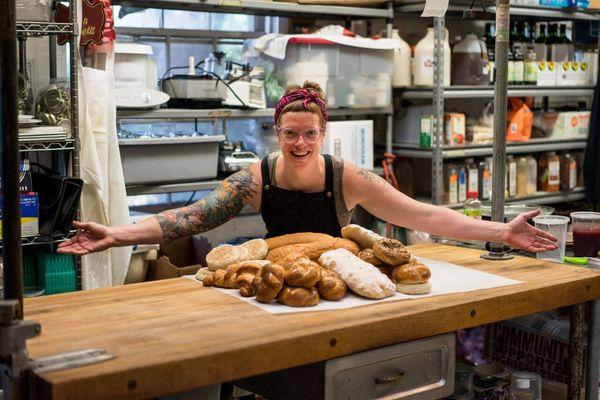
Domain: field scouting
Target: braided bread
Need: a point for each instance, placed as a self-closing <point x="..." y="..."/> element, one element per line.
<point x="298" y="296"/>
<point x="268" y="282"/>
<point x="331" y="287"/>
<point x="302" y="273"/>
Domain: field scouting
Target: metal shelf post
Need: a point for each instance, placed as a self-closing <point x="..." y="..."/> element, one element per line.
<point x="437" y="164"/>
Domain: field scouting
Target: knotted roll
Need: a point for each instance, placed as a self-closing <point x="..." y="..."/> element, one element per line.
<point x="268" y="282"/>
<point x="298" y="296"/>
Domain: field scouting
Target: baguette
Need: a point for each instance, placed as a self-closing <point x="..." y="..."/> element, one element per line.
<point x="364" y="237"/>
<point x="295" y="238"/>
<point x="312" y="250"/>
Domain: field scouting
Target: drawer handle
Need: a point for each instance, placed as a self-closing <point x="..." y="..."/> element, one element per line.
<point x="391" y="379"/>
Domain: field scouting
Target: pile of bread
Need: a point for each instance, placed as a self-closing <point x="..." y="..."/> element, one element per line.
<point x="299" y="269"/>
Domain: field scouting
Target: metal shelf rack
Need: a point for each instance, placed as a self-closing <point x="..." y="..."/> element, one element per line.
<point x="448" y="152"/>
<point x="539" y="198"/>
<point x="68" y="144"/>
<point x="477" y="92"/>
<point x="44" y="28"/>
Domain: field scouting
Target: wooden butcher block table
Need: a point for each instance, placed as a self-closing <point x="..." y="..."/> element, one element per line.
<point x="173" y="335"/>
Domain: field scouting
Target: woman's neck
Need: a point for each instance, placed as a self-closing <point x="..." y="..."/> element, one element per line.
<point x="310" y="179"/>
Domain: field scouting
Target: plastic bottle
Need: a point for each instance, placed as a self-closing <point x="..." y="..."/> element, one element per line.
<point x="568" y="172"/>
<point x="451" y="192"/>
<point x="511" y="176"/>
<point x="522" y="176"/>
<point x="470" y="62"/>
<point x="424" y="60"/>
<point x="401" y="75"/>
<point x="485" y="180"/>
<point x="532" y="168"/>
<point x="531" y="67"/>
<point x="472" y="207"/>
<point x="462" y="184"/>
<point x="522" y="390"/>
<point x="472" y="176"/>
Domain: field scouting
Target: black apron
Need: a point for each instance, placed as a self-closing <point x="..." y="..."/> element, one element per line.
<point x="287" y="211"/>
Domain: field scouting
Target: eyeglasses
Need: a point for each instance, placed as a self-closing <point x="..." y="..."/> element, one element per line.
<point x="289" y="136"/>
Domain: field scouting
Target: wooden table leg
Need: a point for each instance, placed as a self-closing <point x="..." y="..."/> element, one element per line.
<point x="576" y="341"/>
<point x="593" y="351"/>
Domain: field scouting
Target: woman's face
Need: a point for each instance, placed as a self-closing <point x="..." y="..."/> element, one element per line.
<point x="295" y="132"/>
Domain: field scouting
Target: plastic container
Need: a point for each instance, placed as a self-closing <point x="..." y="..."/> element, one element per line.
<point x="557" y="226"/>
<point x="472" y="207"/>
<point x="167" y="160"/>
<point x="470" y="62"/>
<point x="141" y="256"/>
<point x="424" y="60"/>
<point x="463" y="383"/>
<point x="586" y="234"/>
<point x="521" y="390"/>
<point x="56" y="273"/>
<point x="401" y="76"/>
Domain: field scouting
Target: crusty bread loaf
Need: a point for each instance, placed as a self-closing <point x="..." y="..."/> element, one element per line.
<point x="268" y="282"/>
<point x="411" y="273"/>
<point x="369" y="256"/>
<point x="257" y="249"/>
<point x="391" y="251"/>
<point x="331" y="287"/>
<point x="302" y="273"/>
<point x="295" y="238"/>
<point x="298" y="296"/>
<point x="312" y="250"/>
<point x="364" y="237"/>
<point x="360" y="276"/>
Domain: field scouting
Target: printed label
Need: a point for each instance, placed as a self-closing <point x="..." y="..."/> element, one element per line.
<point x="572" y="175"/>
<point x="426" y="65"/>
<point x="554" y="173"/>
<point x="473" y="184"/>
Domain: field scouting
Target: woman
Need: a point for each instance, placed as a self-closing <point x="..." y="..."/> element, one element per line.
<point x="304" y="191"/>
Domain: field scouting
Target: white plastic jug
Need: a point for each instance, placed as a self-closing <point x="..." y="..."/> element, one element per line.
<point x="470" y="62"/>
<point x="423" y="60"/>
<point x="402" y="74"/>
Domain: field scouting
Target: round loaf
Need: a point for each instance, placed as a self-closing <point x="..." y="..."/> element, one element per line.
<point x="268" y="282"/>
<point x="298" y="296"/>
<point x="222" y="256"/>
<point x="411" y="273"/>
<point x="369" y="256"/>
<point x="364" y="237"/>
<point x="413" y="288"/>
<point x="391" y="251"/>
<point x="302" y="273"/>
<point x="257" y="249"/>
<point x="295" y="238"/>
<point x="331" y="287"/>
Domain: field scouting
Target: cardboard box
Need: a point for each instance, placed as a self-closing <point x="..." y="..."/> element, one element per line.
<point x="351" y="141"/>
<point x="29" y="214"/>
<point x="175" y="259"/>
<point x="546" y="74"/>
<point x="454" y="129"/>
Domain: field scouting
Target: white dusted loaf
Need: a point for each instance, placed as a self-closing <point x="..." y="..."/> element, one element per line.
<point x="360" y="276"/>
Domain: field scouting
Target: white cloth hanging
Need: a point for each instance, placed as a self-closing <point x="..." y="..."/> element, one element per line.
<point x="104" y="199"/>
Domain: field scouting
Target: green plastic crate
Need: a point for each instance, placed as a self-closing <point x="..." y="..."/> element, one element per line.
<point x="56" y="273"/>
<point x="29" y="271"/>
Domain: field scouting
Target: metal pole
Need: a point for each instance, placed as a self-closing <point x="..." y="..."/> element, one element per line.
<point x="576" y="338"/>
<point x="500" y="95"/>
<point x="389" y="119"/>
<point x="437" y="163"/>
<point x="11" y="218"/>
<point x="593" y="351"/>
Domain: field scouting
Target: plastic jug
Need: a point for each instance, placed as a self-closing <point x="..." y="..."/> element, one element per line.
<point x="424" y="58"/>
<point x="402" y="55"/>
<point x="470" y="62"/>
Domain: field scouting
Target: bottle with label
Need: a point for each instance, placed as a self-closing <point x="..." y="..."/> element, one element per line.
<point x="424" y="59"/>
<point x="519" y="66"/>
<point x="472" y="207"/>
<point x="485" y="180"/>
<point x="540" y="44"/>
<point x="511" y="176"/>
<point x="568" y="172"/>
<point x="522" y="390"/>
<point x="531" y="67"/>
<point x="549" y="173"/>
<point x="401" y="76"/>
<point x="532" y="168"/>
<point x="522" y="176"/>
<point x="472" y="176"/>
<point x="451" y="185"/>
<point x="511" y="68"/>
<point x="462" y="184"/>
<point x="490" y="43"/>
<point x="579" y="156"/>
<point x="563" y="39"/>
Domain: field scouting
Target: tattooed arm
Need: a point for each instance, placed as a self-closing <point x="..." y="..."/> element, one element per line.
<point x="215" y="209"/>
<point x="220" y="206"/>
<point x="385" y="202"/>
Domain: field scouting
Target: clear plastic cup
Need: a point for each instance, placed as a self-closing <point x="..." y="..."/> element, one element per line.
<point x="586" y="234"/>
<point x="535" y="382"/>
<point x="557" y="226"/>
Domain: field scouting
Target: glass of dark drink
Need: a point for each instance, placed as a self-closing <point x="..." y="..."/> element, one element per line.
<point x="586" y="234"/>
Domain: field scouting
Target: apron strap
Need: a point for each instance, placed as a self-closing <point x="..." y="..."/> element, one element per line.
<point x="266" y="177"/>
<point x="328" y="174"/>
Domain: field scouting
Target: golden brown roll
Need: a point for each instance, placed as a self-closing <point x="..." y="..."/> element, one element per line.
<point x="331" y="287"/>
<point x="298" y="296"/>
<point x="268" y="282"/>
<point x="302" y="273"/>
<point x="412" y="278"/>
<point x="244" y="279"/>
<point x="369" y="256"/>
<point x="386" y="269"/>
<point x="364" y="237"/>
<point x="391" y="251"/>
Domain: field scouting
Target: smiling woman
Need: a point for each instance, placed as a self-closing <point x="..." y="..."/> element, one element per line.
<point x="301" y="190"/>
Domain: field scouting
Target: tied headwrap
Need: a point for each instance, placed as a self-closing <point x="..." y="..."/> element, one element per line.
<point x="307" y="96"/>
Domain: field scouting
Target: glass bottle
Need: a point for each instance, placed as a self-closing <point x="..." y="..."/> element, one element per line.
<point x="490" y="44"/>
<point x="511" y="176"/>
<point x="522" y="390"/>
<point x="472" y="206"/>
<point x="522" y="176"/>
<point x="532" y="167"/>
<point x="541" y="38"/>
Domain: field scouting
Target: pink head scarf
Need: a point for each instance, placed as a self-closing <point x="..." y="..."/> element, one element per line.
<point x="306" y="95"/>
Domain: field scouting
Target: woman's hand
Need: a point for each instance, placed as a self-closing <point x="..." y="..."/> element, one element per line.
<point x="524" y="236"/>
<point x="93" y="237"/>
